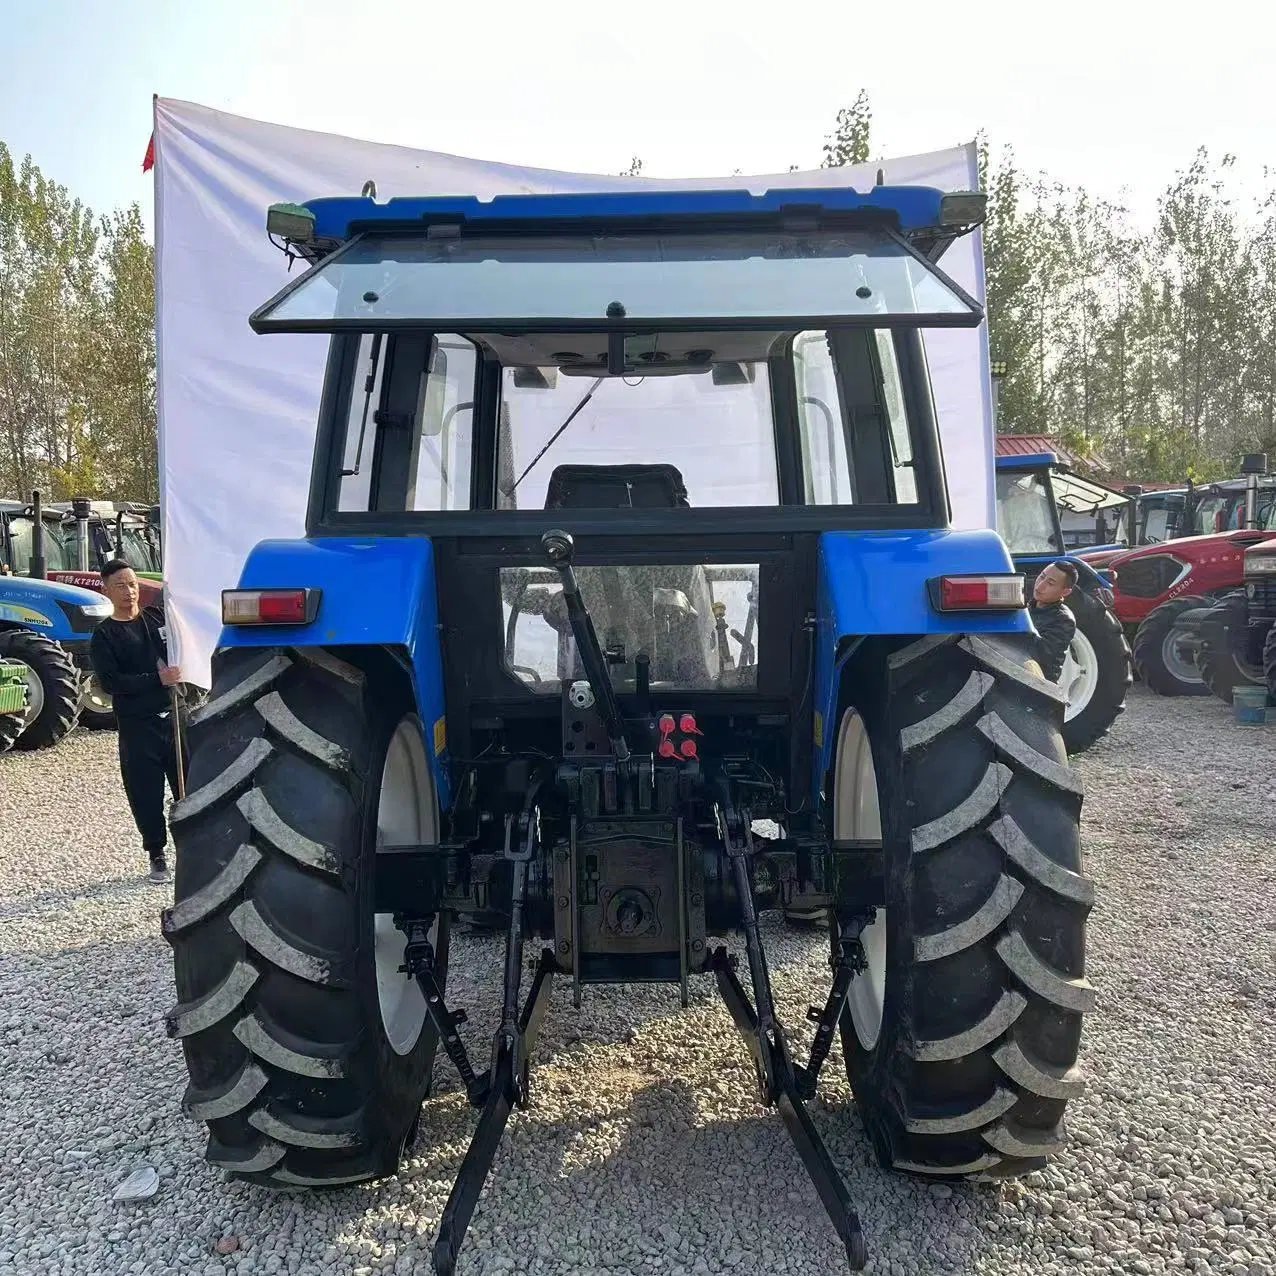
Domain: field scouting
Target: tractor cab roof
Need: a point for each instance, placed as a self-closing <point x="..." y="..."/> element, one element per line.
<point x="630" y="262"/>
<point x="1072" y="492"/>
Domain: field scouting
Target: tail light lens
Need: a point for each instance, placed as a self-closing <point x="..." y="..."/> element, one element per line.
<point x="977" y="593"/>
<point x="269" y="606"/>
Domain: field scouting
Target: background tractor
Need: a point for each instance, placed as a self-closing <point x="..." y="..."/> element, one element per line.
<point x="628" y="608"/>
<point x="78" y="538"/>
<point x="1097" y="673"/>
<point x="1237" y="646"/>
<point x="1164" y="594"/>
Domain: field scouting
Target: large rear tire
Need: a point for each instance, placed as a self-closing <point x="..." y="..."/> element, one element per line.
<point x="1162" y="664"/>
<point x="1269" y="663"/>
<point x="309" y="1054"/>
<point x="1222" y="670"/>
<point x="1097" y="673"/>
<point x="53" y="687"/>
<point x="961" y="1038"/>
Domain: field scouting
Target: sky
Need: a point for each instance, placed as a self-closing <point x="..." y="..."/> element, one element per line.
<point x="1115" y="95"/>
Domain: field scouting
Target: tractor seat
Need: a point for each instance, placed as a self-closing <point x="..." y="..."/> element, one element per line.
<point x="663" y="610"/>
<point x="609" y="487"/>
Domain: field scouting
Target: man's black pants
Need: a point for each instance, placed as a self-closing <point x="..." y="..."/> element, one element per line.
<point x="147" y="758"/>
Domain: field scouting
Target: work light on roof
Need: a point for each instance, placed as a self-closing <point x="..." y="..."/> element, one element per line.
<point x="291" y="221"/>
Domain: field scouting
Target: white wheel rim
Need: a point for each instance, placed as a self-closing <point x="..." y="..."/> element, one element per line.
<point x="35" y="694"/>
<point x="856" y="814"/>
<point x="1184" y="669"/>
<point x="1080" y="674"/>
<point x="94" y="697"/>
<point x="406" y="813"/>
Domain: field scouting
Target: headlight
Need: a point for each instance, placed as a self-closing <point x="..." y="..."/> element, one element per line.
<point x="1260" y="564"/>
<point x="103" y="608"/>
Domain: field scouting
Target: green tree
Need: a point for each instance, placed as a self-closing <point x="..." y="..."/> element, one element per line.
<point x="849" y="141"/>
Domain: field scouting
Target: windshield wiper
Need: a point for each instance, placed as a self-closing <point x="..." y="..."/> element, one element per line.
<point x="589" y="394"/>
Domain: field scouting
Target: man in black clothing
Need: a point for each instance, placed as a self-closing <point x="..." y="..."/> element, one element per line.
<point x="129" y="654"/>
<point x="1054" y="622"/>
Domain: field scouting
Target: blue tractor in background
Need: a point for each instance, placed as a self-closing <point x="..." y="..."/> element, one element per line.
<point x="628" y="609"/>
<point x="1099" y="668"/>
<point x="45" y="628"/>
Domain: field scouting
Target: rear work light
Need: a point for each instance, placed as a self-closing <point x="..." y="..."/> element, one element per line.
<point x="977" y="593"/>
<point x="269" y="606"/>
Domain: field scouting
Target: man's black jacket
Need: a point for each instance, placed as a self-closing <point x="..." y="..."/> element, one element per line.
<point x="1055" y="626"/>
<point x="125" y="656"/>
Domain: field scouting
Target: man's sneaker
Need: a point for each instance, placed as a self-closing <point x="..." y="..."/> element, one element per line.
<point x="159" y="873"/>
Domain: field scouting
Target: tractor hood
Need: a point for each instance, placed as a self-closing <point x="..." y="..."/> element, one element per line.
<point x="48" y="605"/>
<point x="1190" y="547"/>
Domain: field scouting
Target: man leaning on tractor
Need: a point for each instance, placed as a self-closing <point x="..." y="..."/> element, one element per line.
<point x="129" y="654"/>
<point x="1051" y="618"/>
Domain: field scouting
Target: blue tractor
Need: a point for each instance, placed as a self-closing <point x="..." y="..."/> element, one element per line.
<point x="45" y="627"/>
<point x="628" y="609"/>
<point x="1099" y="669"/>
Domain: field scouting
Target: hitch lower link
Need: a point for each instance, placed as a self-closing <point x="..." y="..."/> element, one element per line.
<point x="782" y="1083"/>
<point x="506" y="1082"/>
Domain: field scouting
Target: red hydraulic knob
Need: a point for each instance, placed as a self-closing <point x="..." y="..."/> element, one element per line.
<point x="666" y="723"/>
<point x="688" y="725"/>
<point x="688" y="748"/>
<point x="666" y="749"/>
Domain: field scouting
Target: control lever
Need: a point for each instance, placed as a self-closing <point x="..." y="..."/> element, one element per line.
<point x="558" y="546"/>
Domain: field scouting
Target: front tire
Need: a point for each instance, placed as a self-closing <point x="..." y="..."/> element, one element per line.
<point x="1165" y="668"/>
<point x="97" y="707"/>
<point x="309" y="1055"/>
<point x="1097" y="674"/>
<point x="961" y="1043"/>
<point x="1221" y="670"/>
<point x="1269" y="663"/>
<point x="53" y="687"/>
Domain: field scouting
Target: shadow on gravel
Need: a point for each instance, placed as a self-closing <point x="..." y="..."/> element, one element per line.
<point x="116" y="888"/>
<point x="666" y="1189"/>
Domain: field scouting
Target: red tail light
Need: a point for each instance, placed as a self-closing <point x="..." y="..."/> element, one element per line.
<point x="977" y="593"/>
<point x="269" y="606"/>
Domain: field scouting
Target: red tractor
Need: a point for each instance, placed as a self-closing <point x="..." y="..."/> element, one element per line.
<point x="1168" y="596"/>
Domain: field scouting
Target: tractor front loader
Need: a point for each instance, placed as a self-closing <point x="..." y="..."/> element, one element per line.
<point x="629" y="609"/>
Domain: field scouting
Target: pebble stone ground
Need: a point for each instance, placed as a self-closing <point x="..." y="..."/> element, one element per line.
<point x="645" y="1150"/>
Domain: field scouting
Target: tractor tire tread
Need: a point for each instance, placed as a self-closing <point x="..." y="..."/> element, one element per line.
<point x="278" y="1014"/>
<point x="61" y="681"/>
<point x="1220" y="670"/>
<point x="1149" y="639"/>
<point x="1269" y="663"/>
<point x="986" y="911"/>
<point x="1114" y="677"/>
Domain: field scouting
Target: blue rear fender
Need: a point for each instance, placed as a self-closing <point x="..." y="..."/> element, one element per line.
<point x="874" y="584"/>
<point x="374" y="593"/>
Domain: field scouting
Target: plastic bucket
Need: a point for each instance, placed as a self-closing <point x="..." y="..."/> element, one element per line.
<point x="1250" y="704"/>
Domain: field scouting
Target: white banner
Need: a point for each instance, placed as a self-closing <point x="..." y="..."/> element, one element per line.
<point x="237" y="412"/>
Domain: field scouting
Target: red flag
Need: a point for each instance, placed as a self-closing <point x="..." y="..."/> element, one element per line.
<point x="148" y="161"/>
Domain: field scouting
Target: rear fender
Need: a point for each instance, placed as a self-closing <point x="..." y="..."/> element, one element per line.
<point x="873" y="584"/>
<point x="373" y="592"/>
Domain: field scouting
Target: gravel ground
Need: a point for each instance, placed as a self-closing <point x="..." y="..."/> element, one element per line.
<point x="644" y="1149"/>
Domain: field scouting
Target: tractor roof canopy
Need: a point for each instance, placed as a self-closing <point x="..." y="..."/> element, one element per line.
<point x="626" y="264"/>
<point x="1072" y="492"/>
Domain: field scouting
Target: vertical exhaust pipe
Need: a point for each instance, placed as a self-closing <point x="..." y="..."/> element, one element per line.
<point x="1254" y="464"/>
<point x="38" y="564"/>
<point x="80" y="508"/>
